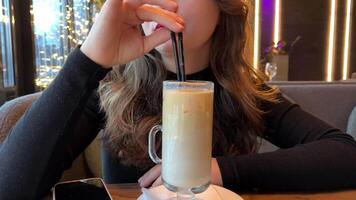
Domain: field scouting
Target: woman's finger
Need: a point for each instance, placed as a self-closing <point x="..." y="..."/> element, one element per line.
<point x="164" y="12"/>
<point x="166" y="4"/>
<point x="149" y="177"/>
<point x="155" y="39"/>
<point x="157" y="182"/>
<point x="168" y="19"/>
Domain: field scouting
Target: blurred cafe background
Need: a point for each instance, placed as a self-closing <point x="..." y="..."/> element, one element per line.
<point x="293" y="40"/>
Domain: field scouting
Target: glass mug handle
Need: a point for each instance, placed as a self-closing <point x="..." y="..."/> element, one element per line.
<point x="152" y="144"/>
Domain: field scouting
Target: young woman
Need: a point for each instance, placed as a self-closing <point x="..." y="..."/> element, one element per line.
<point x="67" y="117"/>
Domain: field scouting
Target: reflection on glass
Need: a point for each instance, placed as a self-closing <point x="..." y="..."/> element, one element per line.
<point x="7" y="62"/>
<point x="59" y="27"/>
<point x="271" y="70"/>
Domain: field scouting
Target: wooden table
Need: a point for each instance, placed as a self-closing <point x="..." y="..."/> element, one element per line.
<point x="132" y="192"/>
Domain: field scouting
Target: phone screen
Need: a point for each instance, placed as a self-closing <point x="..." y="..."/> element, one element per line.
<point x="89" y="189"/>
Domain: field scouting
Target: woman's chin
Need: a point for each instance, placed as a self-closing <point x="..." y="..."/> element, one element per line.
<point x="165" y="48"/>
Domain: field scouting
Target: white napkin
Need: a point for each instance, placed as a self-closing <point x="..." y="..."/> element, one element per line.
<point x="161" y="193"/>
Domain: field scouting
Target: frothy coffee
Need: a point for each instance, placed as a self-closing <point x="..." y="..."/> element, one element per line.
<point x="187" y="137"/>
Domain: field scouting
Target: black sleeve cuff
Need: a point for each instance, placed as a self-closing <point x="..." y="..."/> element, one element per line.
<point x="229" y="173"/>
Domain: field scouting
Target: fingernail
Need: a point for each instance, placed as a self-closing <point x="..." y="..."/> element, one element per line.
<point x="174" y="3"/>
<point x="140" y="184"/>
<point x="181" y="19"/>
<point x="139" y="180"/>
<point x="180" y="26"/>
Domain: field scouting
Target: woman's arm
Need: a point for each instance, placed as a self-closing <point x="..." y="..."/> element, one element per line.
<point x="314" y="155"/>
<point x="43" y="142"/>
<point x="84" y="131"/>
<point x="36" y="140"/>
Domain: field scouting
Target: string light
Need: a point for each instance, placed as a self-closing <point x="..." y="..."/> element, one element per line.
<point x="331" y="50"/>
<point x="69" y="30"/>
<point x="256" y="48"/>
<point x="346" y="53"/>
<point x="277" y="22"/>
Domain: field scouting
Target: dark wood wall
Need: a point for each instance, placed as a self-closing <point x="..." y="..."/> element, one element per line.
<point x="24" y="48"/>
<point x="308" y="19"/>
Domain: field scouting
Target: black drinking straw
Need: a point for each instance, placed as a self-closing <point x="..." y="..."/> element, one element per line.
<point x="178" y="52"/>
<point x="181" y="55"/>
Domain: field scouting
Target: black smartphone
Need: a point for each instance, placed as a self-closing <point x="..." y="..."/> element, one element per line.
<point x="88" y="189"/>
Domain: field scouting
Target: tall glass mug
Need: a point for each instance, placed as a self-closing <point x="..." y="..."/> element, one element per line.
<point x="187" y="124"/>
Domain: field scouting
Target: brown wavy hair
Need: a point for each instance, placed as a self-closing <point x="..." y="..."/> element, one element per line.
<point x="131" y="95"/>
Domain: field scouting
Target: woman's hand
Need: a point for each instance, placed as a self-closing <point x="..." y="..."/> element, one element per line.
<point x="153" y="178"/>
<point x="115" y="38"/>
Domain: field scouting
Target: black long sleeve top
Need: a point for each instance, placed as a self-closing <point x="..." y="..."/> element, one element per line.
<point x="66" y="118"/>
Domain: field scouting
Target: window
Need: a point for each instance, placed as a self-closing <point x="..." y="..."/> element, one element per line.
<point x="7" y="61"/>
<point x="59" y="26"/>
